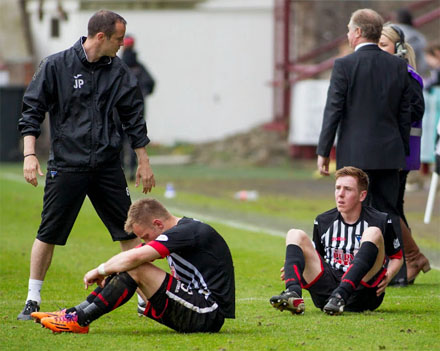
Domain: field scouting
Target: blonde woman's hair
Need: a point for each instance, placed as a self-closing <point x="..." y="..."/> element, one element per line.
<point x="394" y="36"/>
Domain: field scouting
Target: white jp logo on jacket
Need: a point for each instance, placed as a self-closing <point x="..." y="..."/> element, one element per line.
<point x="78" y="82"/>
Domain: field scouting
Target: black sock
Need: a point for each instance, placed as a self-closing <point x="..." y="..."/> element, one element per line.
<point x="293" y="268"/>
<point x="362" y="263"/>
<point x="117" y="291"/>
<point x="89" y="298"/>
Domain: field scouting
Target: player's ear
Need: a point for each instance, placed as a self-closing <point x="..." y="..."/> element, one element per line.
<point x="158" y="223"/>
<point x="363" y="195"/>
<point x="100" y="36"/>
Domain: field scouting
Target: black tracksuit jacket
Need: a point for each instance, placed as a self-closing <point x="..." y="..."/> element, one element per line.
<point x="80" y="98"/>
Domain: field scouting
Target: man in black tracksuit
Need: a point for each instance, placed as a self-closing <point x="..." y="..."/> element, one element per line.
<point x="79" y="88"/>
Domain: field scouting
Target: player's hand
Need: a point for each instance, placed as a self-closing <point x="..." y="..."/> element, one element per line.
<point x="282" y="273"/>
<point x="323" y="165"/>
<point x="145" y="173"/>
<point x="383" y="284"/>
<point x="31" y="167"/>
<point x="92" y="277"/>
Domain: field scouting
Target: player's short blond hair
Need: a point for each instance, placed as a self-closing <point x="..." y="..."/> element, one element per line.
<point x="143" y="212"/>
<point x="359" y="174"/>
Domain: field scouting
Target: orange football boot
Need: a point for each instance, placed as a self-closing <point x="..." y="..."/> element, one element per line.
<point x="68" y="323"/>
<point x="38" y="316"/>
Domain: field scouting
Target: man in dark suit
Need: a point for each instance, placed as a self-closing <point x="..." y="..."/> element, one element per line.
<point x="368" y="103"/>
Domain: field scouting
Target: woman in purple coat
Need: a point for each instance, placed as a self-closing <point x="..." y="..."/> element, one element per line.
<point x="393" y="42"/>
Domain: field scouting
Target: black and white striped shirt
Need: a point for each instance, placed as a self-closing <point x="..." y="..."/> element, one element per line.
<point x="338" y="242"/>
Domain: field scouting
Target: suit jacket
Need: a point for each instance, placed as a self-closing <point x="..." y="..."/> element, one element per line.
<point x="368" y="104"/>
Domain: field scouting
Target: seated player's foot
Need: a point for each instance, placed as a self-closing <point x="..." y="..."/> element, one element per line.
<point x="31" y="306"/>
<point x="38" y="316"/>
<point x="141" y="308"/>
<point x="290" y="301"/>
<point x="68" y="323"/>
<point x="335" y="305"/>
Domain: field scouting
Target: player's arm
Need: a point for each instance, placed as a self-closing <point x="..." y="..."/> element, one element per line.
<point x="404" y="116"/>
<point x="333" y="113"/>
<point x="394" y="252"/>
<point x="393" y="268"/>
<point x="36" y="100"/>
<point x="144" y="171"/>
<point x="31" y="166"/>
<point x="122" y="262"/>
<point x="130" y="108"/>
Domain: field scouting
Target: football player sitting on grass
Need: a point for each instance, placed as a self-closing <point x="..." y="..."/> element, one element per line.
<point x="196" y="297"/>
<point x="343" y="267"/>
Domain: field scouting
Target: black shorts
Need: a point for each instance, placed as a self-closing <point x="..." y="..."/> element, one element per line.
<point x="183" y="309"/>
<point x="64" y="195"/>
<point x="363" y="298"/>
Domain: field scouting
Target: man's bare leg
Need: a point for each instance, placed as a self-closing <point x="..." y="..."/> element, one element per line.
<point x="41" y="257"/>
<point x="302" y="261"/>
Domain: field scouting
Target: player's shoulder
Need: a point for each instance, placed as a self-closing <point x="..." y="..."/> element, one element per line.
<point x="326" y="216"/>
<point x="189" y="221"/>
<point x="191" y="224"/>
<point x="373" y="212"/>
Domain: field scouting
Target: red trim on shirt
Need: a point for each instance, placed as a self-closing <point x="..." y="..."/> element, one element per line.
<point x="397" y="255"/>
<point x="160" y="248"/>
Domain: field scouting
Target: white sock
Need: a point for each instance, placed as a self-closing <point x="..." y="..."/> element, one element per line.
<point x="140" y="300"/>
<point x="34" y="290"/>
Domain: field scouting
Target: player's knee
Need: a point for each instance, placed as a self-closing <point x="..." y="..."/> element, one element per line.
<point x="296" y="237"/>
<point x="140" y="271"/>
<point x="374" y="235"/>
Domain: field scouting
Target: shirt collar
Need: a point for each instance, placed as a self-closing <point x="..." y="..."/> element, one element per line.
<point x="82" y="41"/>
<point x="358" y="46"/>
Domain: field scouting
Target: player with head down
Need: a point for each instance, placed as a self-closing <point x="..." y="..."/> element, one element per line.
<point x="343" y="267"/>
<point x="196" y="297"/>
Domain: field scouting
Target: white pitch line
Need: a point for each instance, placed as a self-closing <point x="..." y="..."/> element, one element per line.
<point x="12" y="176"/>
<point x="228" y="222"/>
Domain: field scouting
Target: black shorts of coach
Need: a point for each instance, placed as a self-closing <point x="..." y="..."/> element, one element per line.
<point x="64" y="194"/>
<point x="183" y="309"/>
<point x="363" y="298"/>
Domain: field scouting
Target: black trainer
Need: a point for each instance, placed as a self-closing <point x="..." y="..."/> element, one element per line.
<point x="31" y="306"/>
<point x="335" y="305"/>
<point x="288" y="300"/>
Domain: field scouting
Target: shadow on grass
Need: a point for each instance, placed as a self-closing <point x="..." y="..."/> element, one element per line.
<point x="167" y="332"/>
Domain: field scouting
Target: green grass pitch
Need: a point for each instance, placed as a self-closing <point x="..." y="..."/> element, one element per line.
<point x="409" y="318"/>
